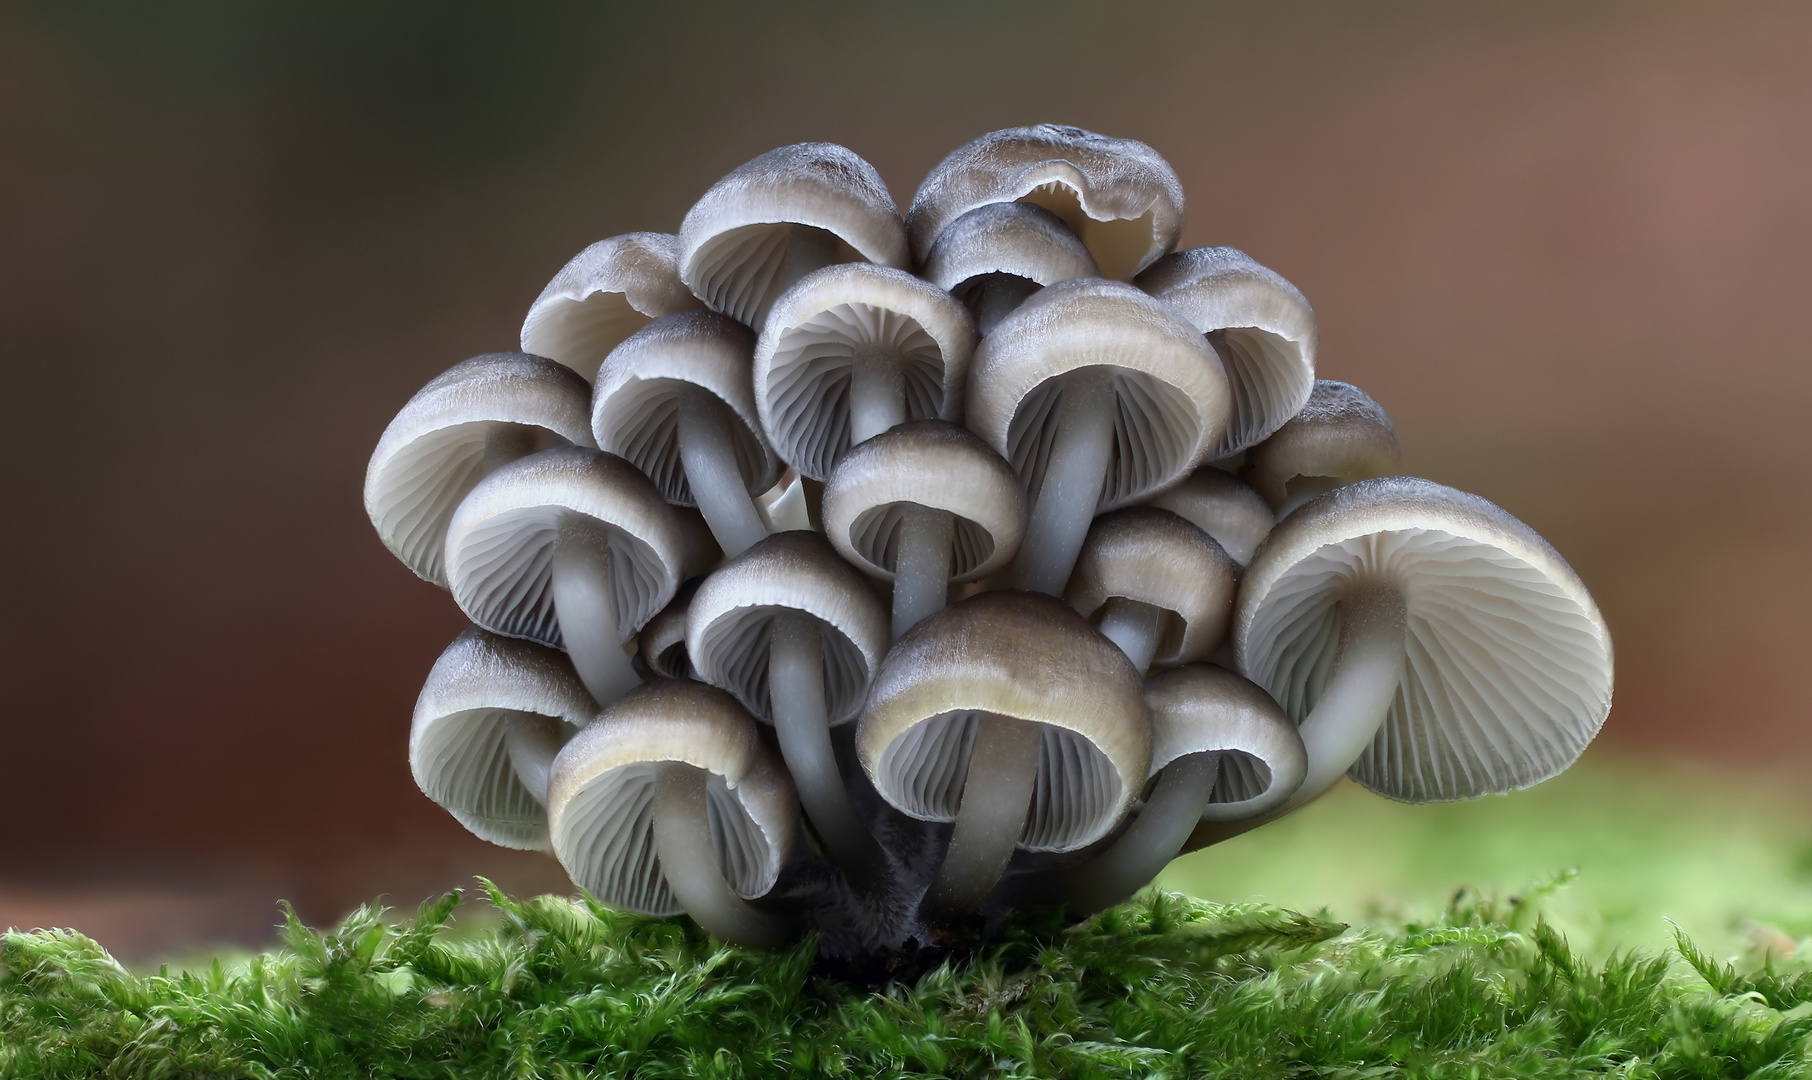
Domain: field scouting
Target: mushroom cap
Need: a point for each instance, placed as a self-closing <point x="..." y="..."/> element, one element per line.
<point x="1021" y="239"/>
<point x="1341" y="433"/>
<point x="841" y="316"/>
<point x="728" y="622"/>
<point x="1020" y="655"/>
<point x="1119" y="196"/>
<point x="1155" y="557"/>
<point x="932" y="464"/>
<point x="635" y="404"/>
<point x="607" y="292"/>
<point x="433" y="452"/>
<point x="1266" y="330"/>
<point x="727" y="259"/>
<point x="600" y="795"/>
<point x="662" y="644"/>
<point x="1201" y="708"/>
<point x="457" y="747"/>
<point x="500" y="546"/>
<point x="1172" y="396"/>
<point x="1221" y="505"/>
<point x="1508" y="673"/>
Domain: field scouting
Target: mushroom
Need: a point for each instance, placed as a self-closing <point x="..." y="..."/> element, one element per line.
<point x="1260" y="325"/>
<point x="573" y="548"/>
<point x="607" y="292"/>
<point x="1155" y="585"/>
<point x="670" y="801"/>
<point x="674" y="400"/>
<point x="1010" y="716"/>
<point x="662" y="643"/>
<point x="1340" y="436"/>
<point x="995" y="256"/>
<point x="1219" y="504"/>
<point x="777" y="218"/>
<point x="852" y="351"/>
<point x="924" y="506"/>
<point x="1119" y="196"/>
<point x="1098" y="396"/>
<point x="472" y="418"/>
<point x="489" y="720"/>
<point x="796" y="634"/>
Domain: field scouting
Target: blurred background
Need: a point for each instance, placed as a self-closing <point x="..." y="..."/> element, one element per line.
<point x="1562" y="244"/>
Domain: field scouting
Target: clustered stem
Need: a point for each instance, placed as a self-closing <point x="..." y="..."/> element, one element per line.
<point x="997" y="795"/>
<point x="877" y="396"/>
<point x="587" y="612"/>
<point x="682" y="837"/>
<point x="1150" y="842"/>
<point x="921" y="565"/>
<point x="1081" y="452"/>
<point x="1133" y="626"/>
<point x="709" y="458"/>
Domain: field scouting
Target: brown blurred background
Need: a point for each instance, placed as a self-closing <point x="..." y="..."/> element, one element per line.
<point x="1562" y="244"/>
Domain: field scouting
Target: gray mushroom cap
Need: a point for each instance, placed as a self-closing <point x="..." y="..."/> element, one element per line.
<point x="607" y="292"/>
<point x="1340" y="435"/>
<point x="1156" y="558"/>
<point x="1219" y="504"/>
<point x="1014" y="238"/>
<point x="1201" y="708"/>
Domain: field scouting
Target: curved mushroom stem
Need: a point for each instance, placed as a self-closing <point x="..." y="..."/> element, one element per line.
<point x="997" y="794"/>
<point x="921" y="565"/>
<point x="807" y="249"/>
<point x="1081" y="452"/>
<point x="588" y="614"/>
<point x="709" y="458"/>
<point x="682" y="838"/>
<point x="1134" y="627"/>
<point x="994" y="297"/>
<point x="877" y="396"/>
<point x="532" y="742"/>
<point x="1150" y="842"/>
<point x="802" y="721"/>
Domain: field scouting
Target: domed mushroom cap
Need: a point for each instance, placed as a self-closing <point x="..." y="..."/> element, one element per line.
<point x="1200" y="708"/>
<point x="843" y="317"/>
<point x="1007" y="238"/>
<point x="607" y="292"/>
<point x="1157" y="558"/>
<point x="1018" y="655"/>
<point x="1219" y="504"/>
<point x="1172" y="399"/>
<point x="434" y="451"/>
<point x="1508" y="673"/>
<point x="1341" y="435"/>
<point x="1119" y="196"/>
<point x="601" y="795"/>
<point x="1262" y="327"/>
<point x="728" y="623"/>
<point x="458" y="741"/>
<point x="933" y="464"/>
<point x="500" y="545"/>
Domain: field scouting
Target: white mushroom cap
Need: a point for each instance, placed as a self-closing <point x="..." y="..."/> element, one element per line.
<point x="1260" y="324"/>
<point x="1508" y="674"/>
<point x="728" y="623"/>
<point x="1219" y="504"/>
<point x="500" y="544"/>
<point x="1019" y="655"/>
<point x="837" y="319"/>
<point x="1119" y="196"/>
<point x="1156" y="558"/>
<point x="607" y="292"/>
<point x="1021" y="239"/>
<point x="1200" y="708"/>
<point x="1340" y="436"/>
<point x="601" y="795"/>
<point x="434" y="451"/>
<point x="457" y="743"/>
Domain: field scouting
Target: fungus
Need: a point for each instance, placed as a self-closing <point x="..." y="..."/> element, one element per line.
<point x="1340" y="436"/>
<point x="1155" y="585"/>
<point x="995" y="256"/>
<point x="606" y="293"/>
<point x="1219" y="504"/>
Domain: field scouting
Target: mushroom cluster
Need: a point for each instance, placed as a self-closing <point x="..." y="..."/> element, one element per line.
<point x="837" y="571"/>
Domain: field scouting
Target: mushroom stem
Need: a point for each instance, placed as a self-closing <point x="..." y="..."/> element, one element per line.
<point x="1134" y="627"/>
<point x="505" y="443"/>
<point x="709" y="458"/>
<point x="807" y="249"/>
<point x="682" y="839"/>
<point x="532" y="742"/>
<point x="921" y="565"/>
<point x="1150" y="842"/>
<point x="588" y="614"/>
<point x="877" y="397"/>
<point x="994" y="297"/>
<point x="997" y="794"/>
<point x="1081" y="452"/>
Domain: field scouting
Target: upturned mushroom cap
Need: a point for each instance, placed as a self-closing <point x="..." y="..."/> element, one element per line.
<point x="728" y="623"/>
<point x="607" y="292"/>
<point x="1341" y="435"/>
<point x="1261" y="325"/>
<point x="1508" y="673"/>
<point x="1201" y="708"/>
<point x="457" y="742"/>
<point x="635" y="405"/>
<point x="1219" y="504"/>
<point x="1119" y="196"/>
<point x="730" y="249"/>
<point x="1015" y="238"/>
<point x="1172" y="396"/>
<point x="434" y="451"/>
<point x="836" y="319"/>
<point x="1156" y="558"/>
<point x="933" y="464"/>
<point x="500" y="544"/>
<point x="1018" y="655"/>
<point x="601" y="795"/>
<point x="662" y="643"/>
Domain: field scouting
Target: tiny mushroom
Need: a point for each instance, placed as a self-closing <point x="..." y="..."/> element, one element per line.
<point x="1221" y="505"/>
<point x="995" y="256"/>
<point x="1158" y="587"/>
<point x="607" y="292"/>
<point x="1340" y="436"/>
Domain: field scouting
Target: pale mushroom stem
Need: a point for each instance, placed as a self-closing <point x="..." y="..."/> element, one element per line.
<point x="532" y="743"/>
<point x="588" y="615"/>
<point x="921" y="565"/>
<point x="505" y="443"/>
<point x="682" y="838"/>
<point x="1150" y="842"/>
<point x="1134" y="627"/>
<point x="877" y="397"/>
<point x="997" y="795"/>
<point x="995" y="296"/>
<point x="709" y="458"/>
<point x="808" y="249"/>
<point x="1081" y="451"/>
